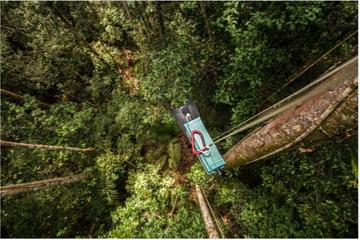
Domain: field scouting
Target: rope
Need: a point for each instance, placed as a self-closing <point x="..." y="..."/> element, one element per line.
<point x="285" y="104"/>
<point x="245" y="124"/>
<point x="310" y="66"/>
<point x="342" y="95"/>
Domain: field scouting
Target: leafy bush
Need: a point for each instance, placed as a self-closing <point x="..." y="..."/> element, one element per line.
<point x="300" y="195"/>
<point x="157" y="208"/>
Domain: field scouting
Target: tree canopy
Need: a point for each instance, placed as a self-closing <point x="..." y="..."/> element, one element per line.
<point x="103" y="76"/>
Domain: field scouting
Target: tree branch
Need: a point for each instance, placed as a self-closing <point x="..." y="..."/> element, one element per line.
<point x="20" y="98"/>
<point x="41" y="146"/>
<point x="14" y="189"/>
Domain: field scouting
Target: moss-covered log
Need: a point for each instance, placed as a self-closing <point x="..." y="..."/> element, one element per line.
<point x="323" y="116"/>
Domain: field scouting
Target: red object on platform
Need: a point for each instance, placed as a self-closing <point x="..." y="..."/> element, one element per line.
<point x="197" y="152"/>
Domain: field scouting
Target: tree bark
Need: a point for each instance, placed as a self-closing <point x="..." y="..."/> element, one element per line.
<point x="323" y="84"/>
<point x="41" y="146"/>
<point x="14" y="189"/>
<point x="342" y="120"/>
<point x="320" y="117"/>
<point x="210" y="226"/>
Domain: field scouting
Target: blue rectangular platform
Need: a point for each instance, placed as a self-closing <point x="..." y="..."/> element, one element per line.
<point x="212" y="161"/>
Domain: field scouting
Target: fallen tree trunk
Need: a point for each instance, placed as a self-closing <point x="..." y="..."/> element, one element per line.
<point x="37" y="185"/>
<point x="210" y="226"/>
<point x="322" y="116"/>
<point x="41" y="146"/>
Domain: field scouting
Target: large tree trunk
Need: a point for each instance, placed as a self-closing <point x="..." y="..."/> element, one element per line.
<point x="41" y="146"/>
<point x="323" y="84"/>
<point x="324" y="115"/>
<point x="14" y="189"/>
<point x="210" y="226"/>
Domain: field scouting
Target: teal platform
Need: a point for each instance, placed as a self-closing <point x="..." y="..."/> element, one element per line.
<point x="211" y="160"/>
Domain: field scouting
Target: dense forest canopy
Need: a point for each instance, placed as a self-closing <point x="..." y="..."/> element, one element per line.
<point x="103" y="76"/>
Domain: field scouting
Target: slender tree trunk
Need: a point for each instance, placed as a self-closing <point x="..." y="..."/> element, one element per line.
<point x="144" y="18"/>
<point x="160" y="18"/>
<point x="20" y="98"/>
<point x="41" y="146"/>
<point x="206" y="21"/>
<point x="15" y="96"/>
<point x="329" y="113"/>
<point x="127" y="12"/>
<point x="210" y="226"/>
<point x="14" y="189"/>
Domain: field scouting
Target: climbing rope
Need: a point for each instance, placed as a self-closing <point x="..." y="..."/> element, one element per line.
<point x="257" y="119"/>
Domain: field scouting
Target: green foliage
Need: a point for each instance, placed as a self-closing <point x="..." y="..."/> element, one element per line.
<point x="111" y="167"/>
<point x="300" y="196"/>
<point x="56" y="212"/>
<point x="157" y="208"/>
<point x="110" y="73"/>
<point x="174" y="151"/>
<point x="164" y="82"/>
<point x="30" y="124"/>
<point x="270" y="41"/>
<point x="197" y="175"/>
